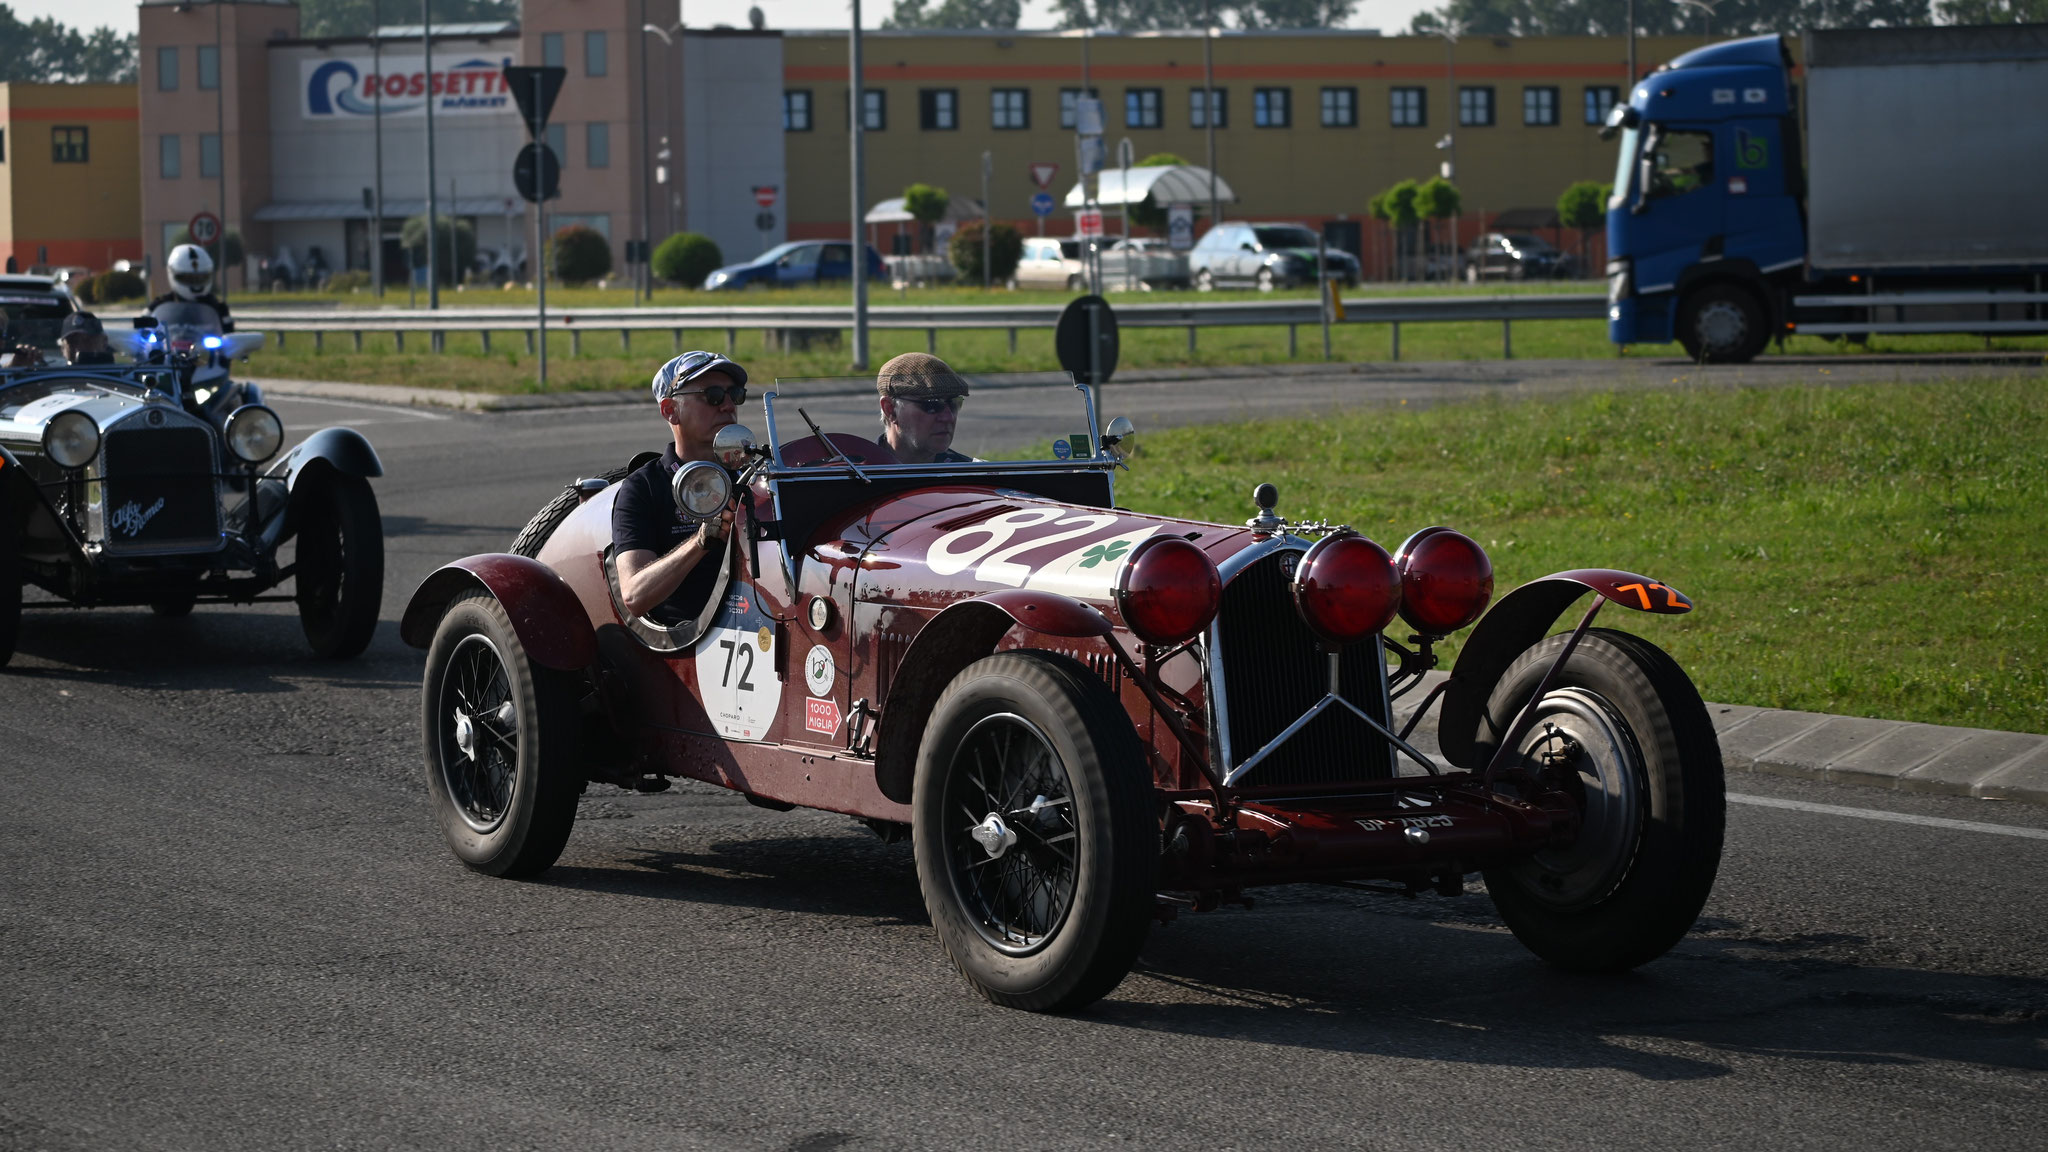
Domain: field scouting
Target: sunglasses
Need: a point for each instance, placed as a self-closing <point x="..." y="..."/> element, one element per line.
<point x="934" y="407"/>
<point x="715" y="395"/>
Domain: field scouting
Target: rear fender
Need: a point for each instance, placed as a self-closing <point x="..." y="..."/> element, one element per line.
<point x="1517" y="621"/>
<point x="546" y="614"/>
<point x="955" y="638"/>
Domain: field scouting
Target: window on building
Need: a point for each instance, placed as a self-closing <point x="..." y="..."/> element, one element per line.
<point x="558" y="142"/>
<point x="597" y="150"/>
<point x="1009" y="108"/>
<point x="938" y="109"/>
<point x="874" y="110"/>
<point x="1599" y="101"/>
<point x="170" y="161"/>
<point x="167" y="69"/>
<point x="1270" y="108"/>
<point x="1340" y="107"/>
<point x="1539" y="106"/>
<point x="796" y="110"/>
<point x="209" y="66"/>
<point x="68" y="146"/>
<point x="1475" y="107"/>
<point x="552" y="52"/>
<point x="1408" y="107"/>
<point x="594" y="62"/>
<point x="1069" y="98"/>
<point x="209" y="155"/>
<point x="1199" y="109"/>
<point x="1142" y="107"/>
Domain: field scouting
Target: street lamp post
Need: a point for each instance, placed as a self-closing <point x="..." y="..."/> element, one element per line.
<point x="1209" y="102"/>
<point x="377" y="198"/>
<point x="220" y="139"/>
<point x="1450" y="30"/>
<point x="663" y="169"/>
<point x="857" y="179"/>
<point x="1706" y="10"/>
<point x="433" y="216"/>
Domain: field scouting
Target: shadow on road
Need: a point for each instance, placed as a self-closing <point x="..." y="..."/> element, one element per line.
<point x="215" y="647"/>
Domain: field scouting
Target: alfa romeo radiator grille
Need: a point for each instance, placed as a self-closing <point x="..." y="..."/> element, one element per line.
<point x="160" y="488"/>
<point x="1273" y="672"/>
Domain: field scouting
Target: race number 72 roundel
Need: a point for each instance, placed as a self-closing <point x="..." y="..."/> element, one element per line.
<point x="736" y="676"/>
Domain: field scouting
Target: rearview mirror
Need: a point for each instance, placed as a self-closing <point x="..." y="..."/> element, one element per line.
<point x="732" y="445"/>
<point x="1120" y="438"/>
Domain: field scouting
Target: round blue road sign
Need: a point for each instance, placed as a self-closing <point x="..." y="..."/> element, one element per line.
<point x="1042" y="204"/>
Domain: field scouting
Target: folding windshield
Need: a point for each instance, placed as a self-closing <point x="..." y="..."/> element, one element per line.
<point x="1004" y="420"/>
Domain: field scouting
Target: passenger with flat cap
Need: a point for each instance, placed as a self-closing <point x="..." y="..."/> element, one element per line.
<point x="667" y="565"/>
<point x="920" y="399"/>
<point x="85" y="340"/>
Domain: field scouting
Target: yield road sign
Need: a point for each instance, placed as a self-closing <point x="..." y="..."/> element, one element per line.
<point x="764" y="195"/>
<point x="1042" y="174"/>
<point x="204" y="229"/>
<point x="535" y="89"/>
<point x="537" y="173"/>
<point x="1041" y="204"/>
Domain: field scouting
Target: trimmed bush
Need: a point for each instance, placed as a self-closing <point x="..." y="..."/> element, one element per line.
<point x="349" y="280"/>
<point x="1006" y="247"/>
<point x="579" y="255"/>
<point x="454" y="245"/>
<point x="111" y="287"/>
<point x="686" y="258"/>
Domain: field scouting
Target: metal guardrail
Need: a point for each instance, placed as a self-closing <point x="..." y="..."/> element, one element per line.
<point x="1192" y="315"/>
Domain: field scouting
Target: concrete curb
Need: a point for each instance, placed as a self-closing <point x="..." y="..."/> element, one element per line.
<point x="1895" y="755"/>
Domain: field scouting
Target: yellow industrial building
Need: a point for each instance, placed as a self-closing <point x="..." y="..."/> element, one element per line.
<point x="70" y="185"/>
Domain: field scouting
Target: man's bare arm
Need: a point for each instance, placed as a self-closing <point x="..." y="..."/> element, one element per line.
<point x="646" y="580"/>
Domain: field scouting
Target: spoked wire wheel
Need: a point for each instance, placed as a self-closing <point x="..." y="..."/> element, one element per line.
<point x="479" y="733"/>
<point x="1013" y="846"/>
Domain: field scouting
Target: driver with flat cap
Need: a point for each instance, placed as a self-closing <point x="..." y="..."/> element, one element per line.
<point x="920" y="399"/>
<point x="667" y="565"/>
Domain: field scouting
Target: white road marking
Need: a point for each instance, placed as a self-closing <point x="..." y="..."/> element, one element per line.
<point x="398" y="409"/>
<point x="1895" y="817"/>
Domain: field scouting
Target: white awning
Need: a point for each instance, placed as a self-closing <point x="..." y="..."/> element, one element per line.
<point x="958" y="208"/>
<point x="1168" y="184"/>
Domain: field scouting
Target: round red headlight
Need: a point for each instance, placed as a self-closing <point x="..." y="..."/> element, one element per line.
<point x="1345" y="588"/>
<point x="1446" y="581"/>
<point x="1169" y="591"/>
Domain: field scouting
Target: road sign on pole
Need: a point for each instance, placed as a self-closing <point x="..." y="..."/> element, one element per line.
<point x="204" y="229"/>
<point x="537" y="173"/>
<point x="764" y="195"/>
<point x="1042" y="174"/>
<point x="535" y="89"/>
<point x="1180" y="227"/>
<point x="1088" y="223"/>
<point x="1042" y="204"/>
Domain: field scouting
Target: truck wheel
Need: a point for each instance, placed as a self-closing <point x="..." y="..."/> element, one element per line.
<point x="340" y="580"/>
<point x="10" y="586"/>
<point x="1626" y="731"/>
<point x="499" y="732"/>
<point x="1037" y="848"/>
<point x="1722" y="324"/>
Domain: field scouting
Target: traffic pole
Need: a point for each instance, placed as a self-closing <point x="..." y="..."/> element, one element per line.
<point x="538" y="261"/>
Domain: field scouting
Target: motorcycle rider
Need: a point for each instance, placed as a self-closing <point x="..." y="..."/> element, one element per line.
<point x="191" y="272"/>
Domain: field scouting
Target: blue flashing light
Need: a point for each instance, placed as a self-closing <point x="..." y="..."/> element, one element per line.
<point x="211" y="342"/>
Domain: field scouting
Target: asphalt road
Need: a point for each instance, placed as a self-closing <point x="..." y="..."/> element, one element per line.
<point x="228" y="922"/>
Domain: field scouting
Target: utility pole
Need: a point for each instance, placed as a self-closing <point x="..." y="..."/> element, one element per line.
<point x="988" y="165"/>
<point x="858" y="193"/>
<point x="645" y="282"/>
<point x="1209" y="101"/>
<point x="377" y="100"/>
<point x="433" y="212"/>
<point x="220" y="141"/>
<point x="1631" y="17"/>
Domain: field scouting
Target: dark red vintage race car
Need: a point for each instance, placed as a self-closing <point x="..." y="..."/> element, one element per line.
<point x="1085" y="718"/>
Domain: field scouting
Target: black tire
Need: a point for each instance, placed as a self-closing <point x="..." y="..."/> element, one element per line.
<point x="1723" y="324"/>
<point x="1077" y="283"/>
<point x="1048" y="931"/>
<point x="532" y="538"/>
<point x="1205" y="281"/>
<point x="506" y="799"/>
<point x="1651" y="793"/>
<point x="175" y="604"/>
<point x="340" y="577"/>
<point x="1264" y="281"/>
<point x="10" y="585"/>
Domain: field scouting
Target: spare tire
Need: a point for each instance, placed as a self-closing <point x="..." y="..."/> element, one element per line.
<point x="531" y="538"/>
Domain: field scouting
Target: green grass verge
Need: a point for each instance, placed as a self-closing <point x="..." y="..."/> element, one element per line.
<point x="1869" y="551"/>
<point x="602" y="364"/>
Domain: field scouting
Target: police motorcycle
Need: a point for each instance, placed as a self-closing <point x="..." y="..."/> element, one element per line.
<point x="167" y="483"/>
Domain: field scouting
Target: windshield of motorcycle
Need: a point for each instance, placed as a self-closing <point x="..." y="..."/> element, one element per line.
<point x="34" y="320"/>
<point x="188" y="314"/>
<point x="1006" y="417"/>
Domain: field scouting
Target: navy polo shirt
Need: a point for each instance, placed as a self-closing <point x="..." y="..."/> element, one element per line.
<point x="644" y="516"/>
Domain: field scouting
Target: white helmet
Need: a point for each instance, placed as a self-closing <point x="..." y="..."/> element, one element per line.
<point x="191" y="271"/>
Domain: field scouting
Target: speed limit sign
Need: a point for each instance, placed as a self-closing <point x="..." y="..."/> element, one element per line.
<point x="204" y="229"/>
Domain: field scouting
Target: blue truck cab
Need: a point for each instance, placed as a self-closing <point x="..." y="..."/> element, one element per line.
<point x="1706" y="203"/>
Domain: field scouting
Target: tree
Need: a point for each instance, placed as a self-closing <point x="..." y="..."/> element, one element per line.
<point x="579" y="255"/>
<point x="1730" y="17"/>
<point x="686" y="258"/>
<point x="324" y="18"/>
<point x="955" y="14"/>
<point x="1153" y="15"/>
<point x="1993" y="11"/>
<point x="1439" y="199"/>
<point x="454" y="245"/>
<point x="1005" y="248"/>
<point x="43" y="51"/>
<point x="1583" y="206"/>
<point x="1147" y="213"/>
<point x="926" y="205"/>
<point x="1396" y="206"/>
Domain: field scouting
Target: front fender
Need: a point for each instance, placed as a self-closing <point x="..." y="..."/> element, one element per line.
<point x="1517" y="621"/>
<point x="545" y="612"/>
<point x="956" y="637"/>
<point x="344" y="449"/>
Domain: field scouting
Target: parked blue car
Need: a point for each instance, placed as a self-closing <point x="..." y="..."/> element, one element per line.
<point x="794" y="263"/>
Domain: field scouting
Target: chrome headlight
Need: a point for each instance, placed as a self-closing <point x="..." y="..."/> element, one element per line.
<point x="254" y="433"/>
<point x="71" y="439"/>
<point x="701" y="489"/>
